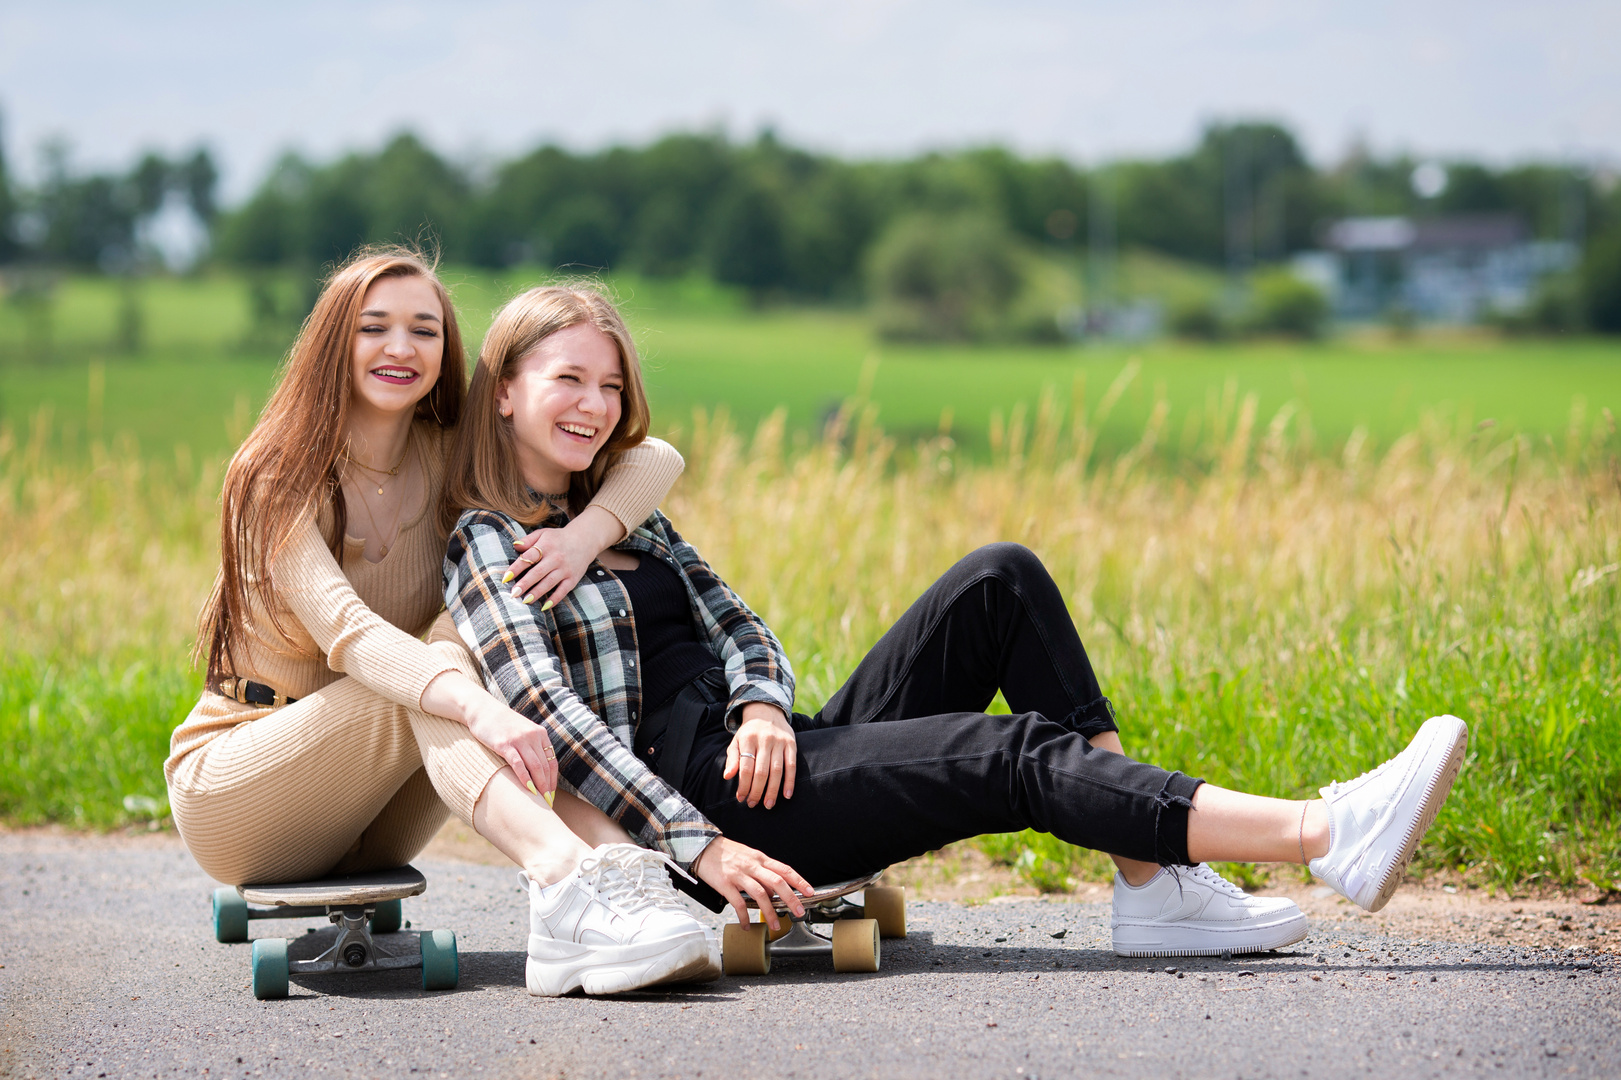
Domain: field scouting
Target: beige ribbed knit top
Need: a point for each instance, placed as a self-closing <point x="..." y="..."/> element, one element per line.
<point x="366" y="620"/>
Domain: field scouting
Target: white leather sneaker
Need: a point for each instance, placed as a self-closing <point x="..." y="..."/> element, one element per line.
<point x="1376" y="821"/>
<point x="654" y="880"/>
<point x="599" y="930"/>
<point x="1194" y="911"/>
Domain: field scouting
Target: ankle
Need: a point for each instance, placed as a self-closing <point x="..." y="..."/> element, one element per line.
<point x="1138" y="874"/>
<point x="1314" y="835"/>
<point x="549" y="870"/>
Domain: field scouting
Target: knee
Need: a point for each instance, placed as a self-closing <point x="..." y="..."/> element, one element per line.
<point x="1006" y="561"/>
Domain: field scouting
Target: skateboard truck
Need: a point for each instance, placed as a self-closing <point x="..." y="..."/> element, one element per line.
<point x="361" y="906"/>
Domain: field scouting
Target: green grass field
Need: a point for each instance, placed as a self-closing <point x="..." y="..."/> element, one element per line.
<point x="1272" y="599"/>
<point x="202" y="372"/>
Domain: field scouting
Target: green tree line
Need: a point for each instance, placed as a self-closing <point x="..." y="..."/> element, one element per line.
<point x="783" y="221"/>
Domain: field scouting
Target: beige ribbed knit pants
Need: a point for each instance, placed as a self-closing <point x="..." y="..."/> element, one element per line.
<point x="341" y="781"/>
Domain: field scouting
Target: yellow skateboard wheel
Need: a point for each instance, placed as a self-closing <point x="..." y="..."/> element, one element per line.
<point x="886" y="904"/>
<point x="855" y="945"/>
<point x="744" y="950"/>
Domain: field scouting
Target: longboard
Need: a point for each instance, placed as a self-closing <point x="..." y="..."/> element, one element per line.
<point x="361" y="906"/>
<point x="860" y="910"/>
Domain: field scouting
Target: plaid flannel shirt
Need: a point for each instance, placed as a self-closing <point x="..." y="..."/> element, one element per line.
<point x="575" y="669"/>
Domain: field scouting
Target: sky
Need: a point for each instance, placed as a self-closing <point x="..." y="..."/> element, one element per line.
<point x="484" y="79"/>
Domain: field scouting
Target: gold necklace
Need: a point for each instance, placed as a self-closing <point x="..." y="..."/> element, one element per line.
<point x="399" y="508"/>
<point x="390" y="473"/>
<point x="393" y="525"/>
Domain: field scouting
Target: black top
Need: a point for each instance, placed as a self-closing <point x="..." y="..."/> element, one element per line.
<point x="672" y="653"/>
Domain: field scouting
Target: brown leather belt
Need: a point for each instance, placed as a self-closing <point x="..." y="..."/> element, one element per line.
<point x="249" y="692"/>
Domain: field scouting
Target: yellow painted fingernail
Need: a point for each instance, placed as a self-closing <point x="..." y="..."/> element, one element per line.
<point x="551" y="797"/>
<point x="547" y="606"/>
<point x="509" y="577"/>
<point x="531" y="786"/>
<point x="530" y="600"/>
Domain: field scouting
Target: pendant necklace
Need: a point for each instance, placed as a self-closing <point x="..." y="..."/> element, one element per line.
<point x="364" y="505"/>
<point x="389" y="474"/>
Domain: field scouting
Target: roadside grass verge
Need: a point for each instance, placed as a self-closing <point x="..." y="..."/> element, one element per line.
<point x="1263" y="614"/>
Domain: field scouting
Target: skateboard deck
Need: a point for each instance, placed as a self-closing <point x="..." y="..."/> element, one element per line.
<point x="368" y="888"/>
<point x="824" y="897"/>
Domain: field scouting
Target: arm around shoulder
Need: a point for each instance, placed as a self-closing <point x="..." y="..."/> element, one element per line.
<point x="639" y="481"/>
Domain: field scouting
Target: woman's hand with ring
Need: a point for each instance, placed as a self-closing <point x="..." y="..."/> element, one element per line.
<point x="763" y="755"/>
<point x="524" y="746"/>
<point x="551" y="562"/>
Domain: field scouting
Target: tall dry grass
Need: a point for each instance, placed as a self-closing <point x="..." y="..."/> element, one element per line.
<point x="1263" y="614"/>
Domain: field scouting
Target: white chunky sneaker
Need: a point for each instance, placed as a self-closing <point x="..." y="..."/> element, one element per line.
<point x="654" y="881"/>
<point x="1194" y="911"/>
<point x="599" y="930"/>
<point x="1376" y="821"/>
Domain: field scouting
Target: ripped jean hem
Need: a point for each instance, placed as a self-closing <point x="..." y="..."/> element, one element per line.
<point x="1092" y="719"/>
<point x="1172" y="806"/>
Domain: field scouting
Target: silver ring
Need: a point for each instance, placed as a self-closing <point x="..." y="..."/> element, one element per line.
<point x="742" y="755"/>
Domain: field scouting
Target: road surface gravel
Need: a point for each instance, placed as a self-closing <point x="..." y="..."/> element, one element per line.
<point x="108" y="968"/>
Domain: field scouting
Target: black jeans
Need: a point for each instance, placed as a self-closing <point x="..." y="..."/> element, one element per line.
<point x="903" y="760"/>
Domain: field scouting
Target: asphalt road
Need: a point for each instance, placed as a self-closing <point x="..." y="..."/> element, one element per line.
<point x="110" y="969"/>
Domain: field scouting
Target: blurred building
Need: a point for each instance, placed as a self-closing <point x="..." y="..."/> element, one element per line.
<point x="1445" y="269"/>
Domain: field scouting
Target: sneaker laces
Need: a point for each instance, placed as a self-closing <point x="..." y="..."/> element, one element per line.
<point x="633" y="877"/>
<point x="1203" y="874"/>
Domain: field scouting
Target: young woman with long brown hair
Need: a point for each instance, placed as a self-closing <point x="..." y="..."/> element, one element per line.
<point x="659" y="686"/>
<point x="330" y="738"/>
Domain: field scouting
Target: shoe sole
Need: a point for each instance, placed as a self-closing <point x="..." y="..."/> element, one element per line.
<point x="622" y="970"/>
<point x="1231" y="940"/>
<point x="702" y="969"/>
<point x="1440" y="784"/>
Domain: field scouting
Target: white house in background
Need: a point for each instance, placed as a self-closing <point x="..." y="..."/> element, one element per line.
<point x="1446" y="269"/>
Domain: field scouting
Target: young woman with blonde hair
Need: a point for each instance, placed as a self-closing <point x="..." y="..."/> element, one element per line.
<point x="659" y="686"/>
<point x="330" y="737"/>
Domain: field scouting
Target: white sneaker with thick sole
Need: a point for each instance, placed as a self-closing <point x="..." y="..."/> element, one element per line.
<point x="599" y="930"/>
<point x="653" y="879"/>
<point x="1194" y="911"/>
<point x="1376" y="821"/>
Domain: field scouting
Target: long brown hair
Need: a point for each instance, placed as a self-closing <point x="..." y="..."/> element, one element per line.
<point x="483" y="470"/>
<point x="288" y="465"/>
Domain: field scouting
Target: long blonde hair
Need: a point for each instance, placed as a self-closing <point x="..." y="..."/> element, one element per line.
<point x="483" y="470"/>
<point x="288" y="465"/>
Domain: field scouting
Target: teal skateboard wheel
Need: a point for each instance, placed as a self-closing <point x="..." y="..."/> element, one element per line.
<point x="440" y="969"/>
<point x="270" y="968"/>
<point x="230" y="916"/>
<point x="386" y="917"/>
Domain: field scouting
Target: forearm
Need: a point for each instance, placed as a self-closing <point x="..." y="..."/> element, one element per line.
<point x="454" y="696"/>
<point x="638" y="482"/>
<point x="597" y="528"/>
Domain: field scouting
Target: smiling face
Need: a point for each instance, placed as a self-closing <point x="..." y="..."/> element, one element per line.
<point x="399" y="345"/>
<point x="564" y="400"/>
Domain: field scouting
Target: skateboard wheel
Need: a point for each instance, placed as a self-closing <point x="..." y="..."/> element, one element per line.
<point x="440" y="969"/>
<point x="386" y="917"/>
<point x="270" y="968"/>
<point x="855" y="945"/>
<point x="744" y="950"/>
<point x="230" y="916"/>
<point x="886" y="904"/>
